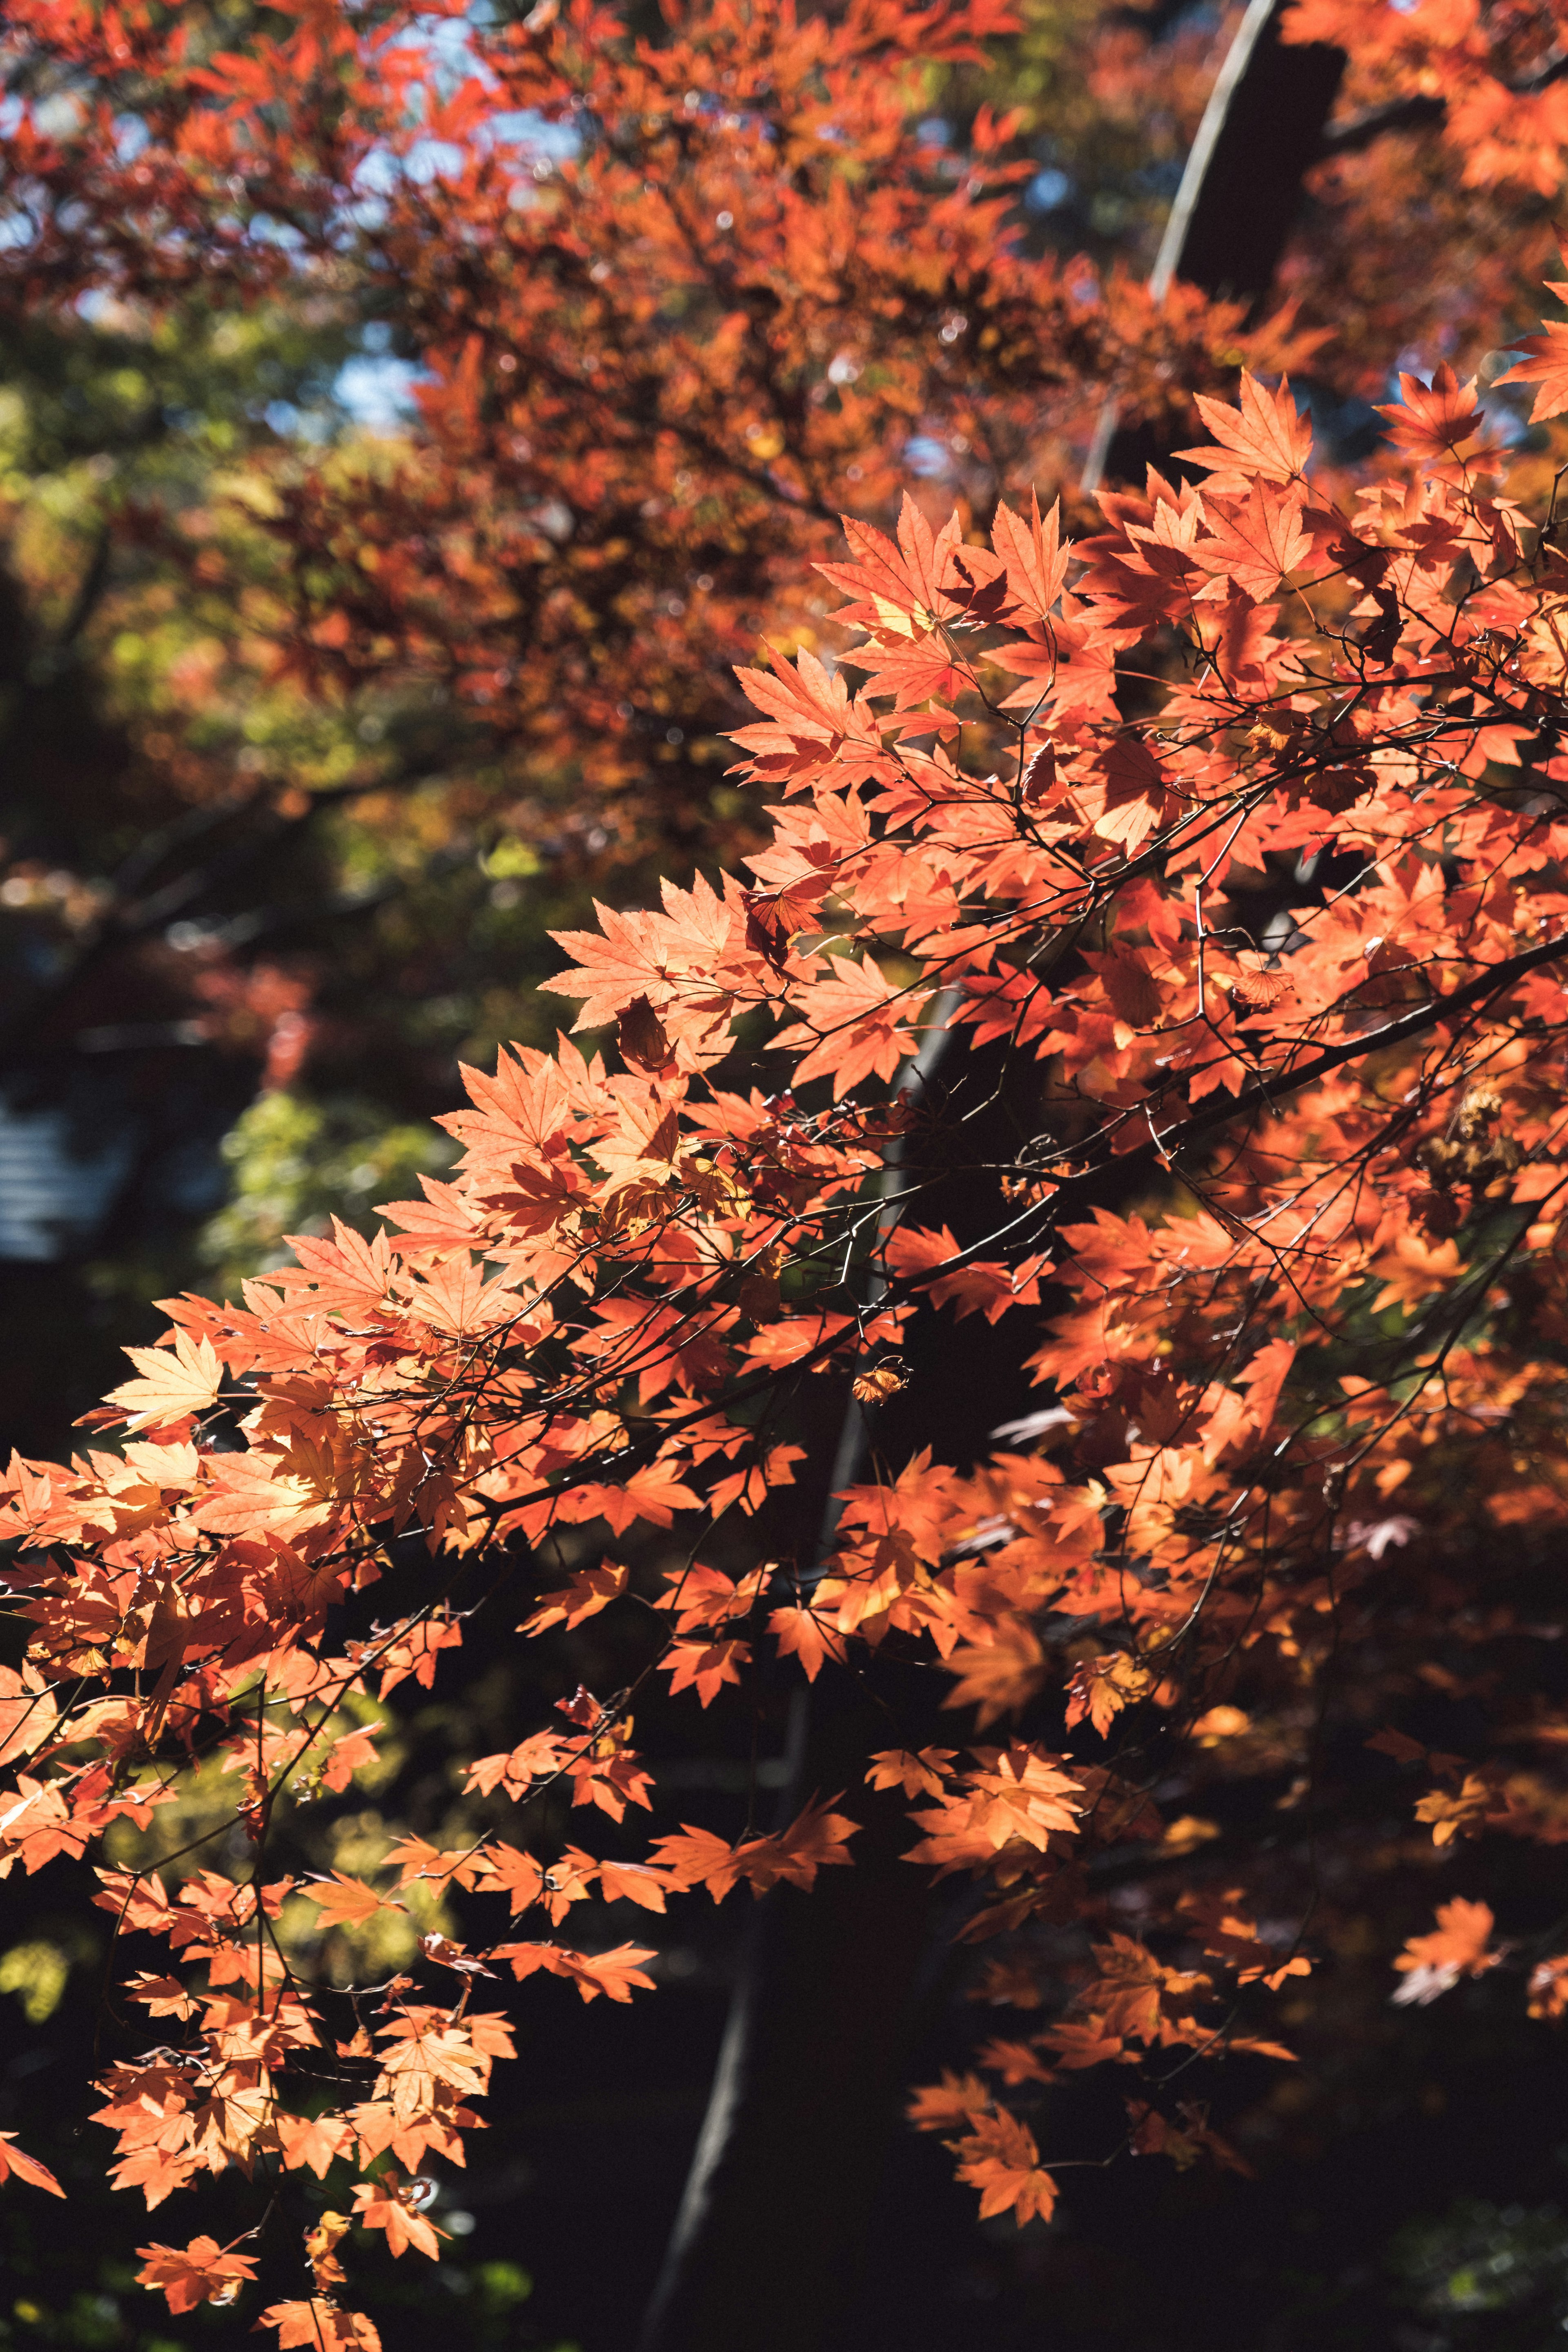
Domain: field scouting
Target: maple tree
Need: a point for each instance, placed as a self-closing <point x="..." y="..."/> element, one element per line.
<point x="331" y="798"/>
<point x="1310" y="1358"/>
<point x="377" y="704"/>
<point x="1240" y="908"/>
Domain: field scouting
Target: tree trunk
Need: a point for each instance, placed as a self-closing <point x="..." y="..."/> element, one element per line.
<point x="1261" y="132"/>
<point x="769" y="2246"/>
<point x="768" y="2250"/>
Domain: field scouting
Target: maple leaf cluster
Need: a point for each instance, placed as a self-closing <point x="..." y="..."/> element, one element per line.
<point x="1336" y="1144"/>
<point x="1492" y="78"/>
<point x="711" y="287"/>
<point x="1456" y="116"/>
<point x="714" y="287"/>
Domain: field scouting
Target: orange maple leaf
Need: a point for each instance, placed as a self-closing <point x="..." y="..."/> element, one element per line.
<point x="1101" y="1687"/>
<point x="1257" y="542"/>
<point x="203" y="2272"/>
<point x="991" y="1288"/>
<point x="943" y="2106"/>
<point x="919" y="1772"/>
<point x="1432" y="423"/>
<point x="814" y="1840"/>
<point x="1549" y="1988"/>
<point x="662" y="959"/>
<point x="322" y="2324"/>
<point x="1015" y="2062"/>
<point x="1459" y="1812"/>
<point x="348" y="1754"/>
<point x="642" y="1037"/>
<point x="165" y="1996"/>
<point x="1000" y="2158"/>
<point x="802" y="1634"/>
<point x="1125" y="797"/>
<point x="1458" y="1945"/>
<point x="632" y="1882"/>
<point x="1547" y="362"/>
<point x="13" y="2165"/>
<point x="315" y="2140"/>
<point x="27" y="1713"/>
<point x="904" y="589"/>
<point x="614" y="1972"/>
<point x="705" y="1666"/>
<point x="174" y="1381"/>
<point x="414" y="1858"/>
<point x="591" y="1590"/>
<point x="998" y="1676"/>
<point x="858" y="1023"/>
<point x="1037" y="565"/>
<point x="344" y="1901"/>
<point x="347" y="1273"/>
<point x="805" y="700"/>
<point x="389" y="2204"/>
<point x="695" y="1857"/>
<point x="1267" y="439"/>
<point x="883" y="1380"/>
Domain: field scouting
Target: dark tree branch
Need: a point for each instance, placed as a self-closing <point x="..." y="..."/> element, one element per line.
<point x="129" y="918"/>
<point x="1420" y="111"/>
<point x="1363" y="131"/>
<point x="94" y="581"/>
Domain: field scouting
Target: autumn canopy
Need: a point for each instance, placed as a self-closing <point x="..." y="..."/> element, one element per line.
<point x="1138" y="970"/>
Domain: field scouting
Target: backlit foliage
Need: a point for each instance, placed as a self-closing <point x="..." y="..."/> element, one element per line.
<point x="1308" y="1369"/>
<point x="1279" y="1212"/>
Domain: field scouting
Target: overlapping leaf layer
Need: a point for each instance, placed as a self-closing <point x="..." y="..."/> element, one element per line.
<point x="1282" y="1223"/>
